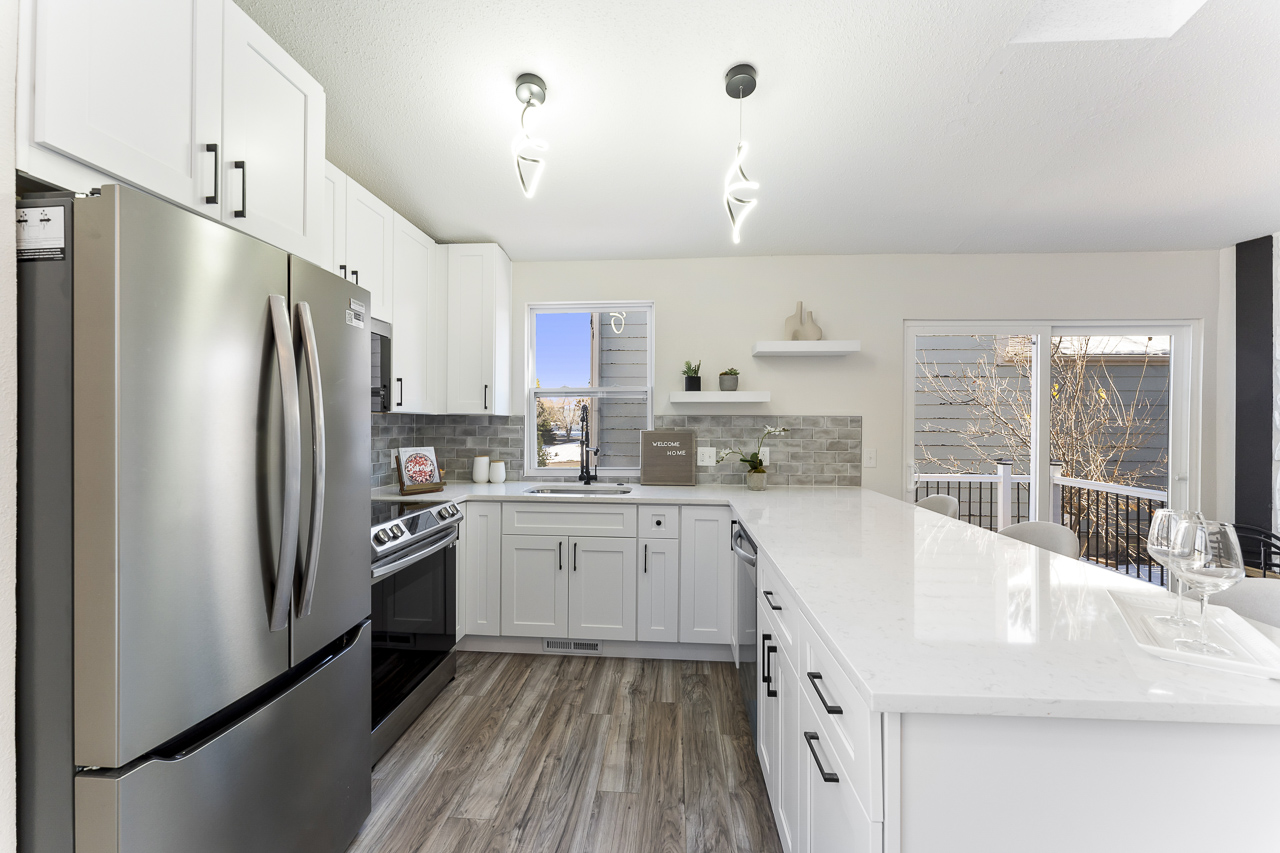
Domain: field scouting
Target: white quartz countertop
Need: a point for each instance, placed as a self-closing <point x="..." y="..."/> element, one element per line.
<point x="932" y="615"/>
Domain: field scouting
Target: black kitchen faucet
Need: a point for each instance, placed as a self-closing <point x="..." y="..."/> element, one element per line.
<point x="584" y="442"/>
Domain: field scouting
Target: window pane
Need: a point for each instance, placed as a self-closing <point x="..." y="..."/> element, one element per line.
<point x="615" y="424"/>
<point x="563" y="357"/>
<point x="623" y="348"/>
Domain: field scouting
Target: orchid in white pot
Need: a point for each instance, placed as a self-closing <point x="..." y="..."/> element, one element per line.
<point x="756" y="473"/>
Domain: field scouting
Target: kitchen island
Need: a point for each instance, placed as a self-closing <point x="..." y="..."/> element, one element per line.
<point x="1001" y="703"/>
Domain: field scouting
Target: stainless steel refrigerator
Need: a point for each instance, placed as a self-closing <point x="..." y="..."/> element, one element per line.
<point x="220" y="485"/>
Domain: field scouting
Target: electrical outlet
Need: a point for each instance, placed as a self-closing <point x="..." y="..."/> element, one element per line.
<point x="706" y="456"/>
<point x="764" y="455"/>
<point x="869" y="457"/>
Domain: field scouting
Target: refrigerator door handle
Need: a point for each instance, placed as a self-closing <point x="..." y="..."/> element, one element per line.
<point x="292" y="462"/>
<point x="312" y="562"/>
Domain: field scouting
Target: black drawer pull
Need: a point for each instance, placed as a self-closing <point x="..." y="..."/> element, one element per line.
<point x="770" y="690"/>
<point x="575" y="556"/>
<point x="646" y="559"/>
<point x="560" y="556"/>
<point x="764" y="658"/>
<point x="767" y="597"/>
<point x="810" y="738"/>
<point x="814" y="678"/>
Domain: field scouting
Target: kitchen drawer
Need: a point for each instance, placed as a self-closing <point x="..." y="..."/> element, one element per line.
<point x="780" y="603"/>
<point x="833" y="818"/>
<point x="545" y="518"/>
<point x="854" y="729"/>
<point x="660" y="522"/>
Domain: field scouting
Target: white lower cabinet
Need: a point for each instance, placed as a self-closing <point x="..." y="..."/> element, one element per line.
<point x="658" y="590"/>
<point x="830" y="817"/>
<point x="535" y="588"/>
<point x="706" y="576"/>
<point x="480" y="561"/>
<point x="602" y="588"/>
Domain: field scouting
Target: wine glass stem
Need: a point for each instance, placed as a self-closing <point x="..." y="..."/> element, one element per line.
<point x="1204" y="618"/>
<point x="1178" y="608"/>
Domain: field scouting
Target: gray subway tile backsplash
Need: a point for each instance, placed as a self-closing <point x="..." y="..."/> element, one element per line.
<point x="820" y="450"/>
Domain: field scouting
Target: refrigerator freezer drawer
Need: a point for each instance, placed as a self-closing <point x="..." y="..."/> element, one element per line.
<point x="292" y="777"/>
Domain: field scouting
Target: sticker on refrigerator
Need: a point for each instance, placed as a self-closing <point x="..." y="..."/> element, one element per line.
<point x="42" y="234"/>
<point x="355" y="314"/>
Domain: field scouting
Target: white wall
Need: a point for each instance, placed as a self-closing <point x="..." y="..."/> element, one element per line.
<point x="8" y="430"/>
<point x="713" y="309"/>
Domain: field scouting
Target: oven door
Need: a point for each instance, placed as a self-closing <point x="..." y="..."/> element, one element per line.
<point x="414" y="595"/>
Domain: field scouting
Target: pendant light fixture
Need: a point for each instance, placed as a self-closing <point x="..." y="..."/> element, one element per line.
<point x="739" y="82"/>
<point x="531" y="92"/>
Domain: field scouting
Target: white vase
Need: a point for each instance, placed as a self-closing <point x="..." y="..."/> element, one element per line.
<point x="480" y="469"/>
<point x="755" y="480"/>
<point x="809" y="331"/>
<point x="791" y="326"/>
<point x="497" y="472"/>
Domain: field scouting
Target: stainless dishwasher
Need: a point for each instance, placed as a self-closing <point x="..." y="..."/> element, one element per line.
<point x="744" y="570"/>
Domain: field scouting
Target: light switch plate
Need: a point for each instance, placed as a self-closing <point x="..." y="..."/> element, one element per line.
<point x="706" y="456"/>
<point x="869" y="457"/>
<point x="764" y="455"/>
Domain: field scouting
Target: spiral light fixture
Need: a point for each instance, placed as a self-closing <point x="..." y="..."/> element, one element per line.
<point x="532" y="92"/>
<point x="739" y="82"/>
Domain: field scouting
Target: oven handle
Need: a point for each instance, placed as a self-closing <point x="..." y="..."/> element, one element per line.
<point x="409" y="559"/>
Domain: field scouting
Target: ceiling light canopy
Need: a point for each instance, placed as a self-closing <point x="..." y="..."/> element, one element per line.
<point x="532" y="92"/>
<point x="739" y="82"/>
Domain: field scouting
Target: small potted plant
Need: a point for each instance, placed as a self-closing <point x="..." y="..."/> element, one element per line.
<point x="692" y="381"/>
<point x="729" y="379"/>
<point x="755" y="465"/>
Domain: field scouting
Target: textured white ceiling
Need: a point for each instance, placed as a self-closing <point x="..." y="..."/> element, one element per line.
<point x="878" y="126"/>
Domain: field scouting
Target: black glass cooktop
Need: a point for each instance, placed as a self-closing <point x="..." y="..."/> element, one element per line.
<point x="382" y="511"/>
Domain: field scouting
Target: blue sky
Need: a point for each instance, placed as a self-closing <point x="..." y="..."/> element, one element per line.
<point x="563" y="357"/>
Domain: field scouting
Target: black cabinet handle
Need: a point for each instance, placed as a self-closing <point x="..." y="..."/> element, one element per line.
<point x="767" y="597"/>
<point x="814" y="678"/>
<point x="770" y="691"/>
<point x="343" y="267"/>
<point x="486" y="398"/>
<point x="560" y="556"/>
<point x="400" y="382"/>
<point x="764" y="657"/>
<point x="646" y="559"/>
<point x="244" y="190"/>
<point x="212" y="148"/>
<point x="575" y="556"/>
<point x="355" y="277"/>
<point x="810" y="738"/>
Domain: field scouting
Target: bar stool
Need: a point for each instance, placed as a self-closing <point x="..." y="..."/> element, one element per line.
<point x="1046" y="535"/>
<point x="941" y="504"/>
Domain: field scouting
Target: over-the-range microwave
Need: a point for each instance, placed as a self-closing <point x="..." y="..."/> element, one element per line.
<point x="380" y="387"/>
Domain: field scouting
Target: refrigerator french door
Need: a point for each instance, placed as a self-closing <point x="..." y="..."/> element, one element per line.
<point x="220" y="487"/>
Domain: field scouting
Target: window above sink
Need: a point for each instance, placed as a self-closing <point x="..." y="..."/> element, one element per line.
<point x="596" y="353"/>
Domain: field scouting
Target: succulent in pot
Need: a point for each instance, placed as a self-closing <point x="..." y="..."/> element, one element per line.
<point x="692" y="381"/>
<point x="729" y="379"/>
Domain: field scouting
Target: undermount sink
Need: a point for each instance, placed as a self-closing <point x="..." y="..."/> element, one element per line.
<point x="579" y="490"/>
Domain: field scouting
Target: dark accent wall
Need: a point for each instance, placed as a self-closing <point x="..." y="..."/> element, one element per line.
<point x="1254" y="261"/>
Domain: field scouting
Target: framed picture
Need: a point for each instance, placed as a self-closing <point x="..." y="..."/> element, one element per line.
<point x="418" y="470"/>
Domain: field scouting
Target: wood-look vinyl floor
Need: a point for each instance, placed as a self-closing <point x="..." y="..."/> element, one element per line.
<point x="551" y="754"/>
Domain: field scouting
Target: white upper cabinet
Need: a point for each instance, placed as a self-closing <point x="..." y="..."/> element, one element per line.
<point x="273" y="141"/>
<point x="333" y="252"/>
<point x="134" y="89"/>
<point x="479" y="369"/>
<point x="370" y="249"/>
<point x="410" y="284"/>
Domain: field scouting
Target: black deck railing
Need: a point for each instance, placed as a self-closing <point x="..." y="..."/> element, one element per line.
<point x="1113" y="530"/>
<point x="980" y="499"/>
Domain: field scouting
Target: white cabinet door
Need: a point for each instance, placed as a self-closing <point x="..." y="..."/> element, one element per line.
<point x="134" y="88"/>
<point x="273" y="138"/>
<point x="481" y="565"/>
<point x="370" y="250"/>
<point x="410" y="281"/>
<point x="535" y="588"/>
<point x="787" y="804"/>
<point x="479" y="330"/>
<point x="768" y="708"/>
<point x="333" y="255"/>
<point x="830" y="818"/>
<point x="706" y="574"/>
<point x="658" y="591"/>
<point x="602" y="588"/>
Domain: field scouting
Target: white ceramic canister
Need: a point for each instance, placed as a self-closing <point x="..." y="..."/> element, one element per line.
<point x="497" y="472"/>
<point x="480" y="469"/>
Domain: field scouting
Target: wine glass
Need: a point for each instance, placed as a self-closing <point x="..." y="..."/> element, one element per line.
<point x="1172" y="552"/>
<point x="1218" y="564"/>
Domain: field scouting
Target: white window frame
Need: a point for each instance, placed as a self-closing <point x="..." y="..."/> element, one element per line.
<point x="531" y="468"/>
<point x="1186" y="367"/>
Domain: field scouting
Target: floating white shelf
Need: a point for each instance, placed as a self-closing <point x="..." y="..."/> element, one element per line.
<point x="719" y="396"/>
<point x="804" y="348"/>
